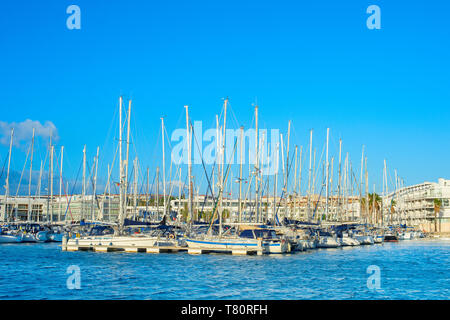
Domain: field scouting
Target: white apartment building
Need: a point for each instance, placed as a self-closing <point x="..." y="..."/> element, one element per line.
<point x="414" y="205"/>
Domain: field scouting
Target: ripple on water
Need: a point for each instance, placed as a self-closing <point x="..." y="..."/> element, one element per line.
<point x="408" y="270"/>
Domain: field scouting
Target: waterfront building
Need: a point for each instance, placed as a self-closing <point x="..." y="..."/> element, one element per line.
<point x="425" y="205"/>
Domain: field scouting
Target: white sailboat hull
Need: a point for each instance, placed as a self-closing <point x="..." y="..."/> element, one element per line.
<point x="405" y="236"/>
<point x="6" y="238"/>
<point x="223" y="243"/>
<point x="327" y="242"/>
<point x="29" y="237"/>
<point x="276" y="247"/>
<point x="121" y="241"/>
<point x="378" y="239"/>
<point x="364" y="239"/>
<point x="347" y="241"/>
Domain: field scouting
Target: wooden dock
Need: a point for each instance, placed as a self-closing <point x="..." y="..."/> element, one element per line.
<point x="162" y="249"/>
<point x="156" y="249"/>
<point x="255" y="251"/>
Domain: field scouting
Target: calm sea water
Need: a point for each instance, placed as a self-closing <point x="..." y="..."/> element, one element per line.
<point x="417" y="269"/>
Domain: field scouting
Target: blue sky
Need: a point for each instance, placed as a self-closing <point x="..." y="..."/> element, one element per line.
<point x="313" y="62"/>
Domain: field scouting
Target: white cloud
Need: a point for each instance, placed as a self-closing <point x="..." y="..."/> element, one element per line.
<point x="23" y="131"/>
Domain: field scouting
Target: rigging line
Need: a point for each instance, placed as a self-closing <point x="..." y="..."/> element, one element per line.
<point x="210" y="177"/>
<point x="156" y="145"/>
<point x="221" y="189"/>
<point x="67" y="200"/>
<point x="234" y="115"/>
<point x="317" y="203"/>
<point x="43" y="172"/>
<point x="316" y="169"/>
<point x="203" y="163"/>
<point x="73" y="189"/>
<point x="168" y="140"/>
<point x="4" y="164"/>
<point x="170" y="194"/>
<point x="91" y="178"/>
<point x="111" y="169"/>
<point x="21" y="175"/>
<point x="284" y="189"/>
<point x="113" y="121"/>
<point x="212" y="124"/>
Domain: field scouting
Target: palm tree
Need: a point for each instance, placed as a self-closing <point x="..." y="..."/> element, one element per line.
<point x="392" y="209"/>
<point x="374" y="204"/>
<point x="437" y="208"/>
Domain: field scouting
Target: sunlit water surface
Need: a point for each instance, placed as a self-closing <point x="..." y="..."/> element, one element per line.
<point x="417" y="269"/>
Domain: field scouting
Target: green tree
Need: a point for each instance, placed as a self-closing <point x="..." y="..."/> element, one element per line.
<point x="437" y="207"/>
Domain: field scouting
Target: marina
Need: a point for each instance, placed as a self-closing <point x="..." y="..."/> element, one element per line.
<point x="224" y="150"/>
<point x="416" y="269"/>
<point x="261" y="220"/>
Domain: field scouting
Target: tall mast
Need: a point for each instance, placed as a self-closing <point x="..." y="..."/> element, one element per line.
<point x="5" y="214"/>
<point x="367" y="189"/>
<point x="339" y="180"/>
<point x="396" y="196"/>
<point x="309" y="176"/>
<point x="218" y="154"/>
<point x="146" y="192"/>
<point x="256" y="165"/>
<point x="286" y="179"/>
<point x="83" y="189"/>
<point x="109" y="193"/>
<point x="295" y="182"/>
<point x="121" y="182"/>
<point x="94" y="188"/>
<point x="39" y="189"/>
<point x="327" y="176"/>
<point x="222" y="187"/>
<point x="361" y="181"/>
<point x="261" y="165"/>
<point x="373" y="205"/>
<point x="350" y="172"/>
<point x="333" y="213"/>
<point x="60" y="182"/>
<point x="157" y="192"/>
<point x="135" y="184"/>
<point x="276" y="179"/>
<point x="179" y="196"/>
<point x="386" y="185"/>
<point x="163" y="167"/>
<point x="266" y="217"/>
<point x="344" y="186"/>
<point x="299" y="188"/>
<point x="240" y="174"/>
<point x="313" y="186"/>
<point x="188" y="136"/>
<point x="127" y="159"/>
<point x="29" y="181"/>
<point x="51" y="182"/>
<point x="284" y="174"/>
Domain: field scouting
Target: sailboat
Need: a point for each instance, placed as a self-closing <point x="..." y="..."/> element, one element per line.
<point x="347" y="240"/>
<point x="327" y="240"/>
<point x="7" y="236"/>
<point x="261" y="240"/>
<point x="122" y="238"/>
